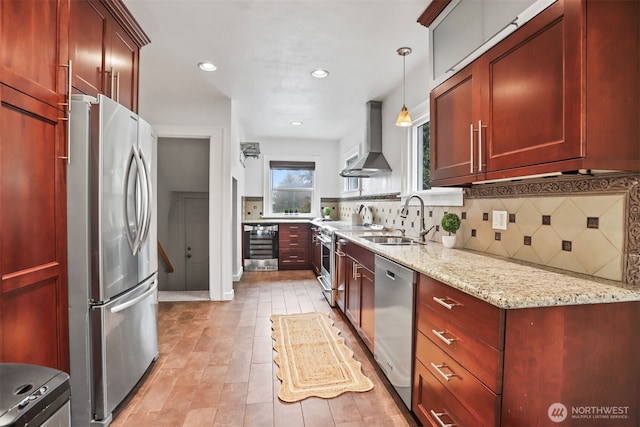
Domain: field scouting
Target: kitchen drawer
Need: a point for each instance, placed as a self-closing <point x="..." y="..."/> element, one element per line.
<point x="298" y="244"/>
<point x="432" y="400"/>
<point x="482" y="360"/>
<point x="480" y="319"/>
<point x="468" y="390"/>
<point x="293" y="231"/>
<point x="362" y="255"/>
<point x="292" y="258"/>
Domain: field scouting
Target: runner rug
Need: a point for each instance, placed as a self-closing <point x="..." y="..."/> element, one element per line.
<point x="313" y="359"/>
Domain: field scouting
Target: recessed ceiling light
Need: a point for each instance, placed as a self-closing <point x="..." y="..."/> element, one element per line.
<point x="207" y="66"/>
<point x="319" y="73"/>
<point x="296" y="123"/>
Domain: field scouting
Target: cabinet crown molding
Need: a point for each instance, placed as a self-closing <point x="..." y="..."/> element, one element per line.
<point x="128" y="22"/>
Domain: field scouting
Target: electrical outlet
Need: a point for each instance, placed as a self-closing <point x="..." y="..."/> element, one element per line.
<point x="499" y="220"/>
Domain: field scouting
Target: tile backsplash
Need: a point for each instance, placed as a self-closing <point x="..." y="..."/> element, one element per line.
<point x="551" y="231"/>
<point x="583" y="224"/>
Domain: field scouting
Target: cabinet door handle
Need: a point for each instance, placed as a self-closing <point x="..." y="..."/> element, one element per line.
<point x="436" y="416"/>
<point x="67" y="104"/>
<point x="480" y="145"/>
<point x="440" y="334"/>
<point x="113" y="83"/>
<point x="445" y="304"/>
<point x="118" y="86"/>
<point x="439" y="371"/>
<point x="355" y="270"/>
<point x="471" y="148"/>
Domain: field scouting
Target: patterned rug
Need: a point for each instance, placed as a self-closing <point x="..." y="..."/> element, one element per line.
<point x="313" y="359"/>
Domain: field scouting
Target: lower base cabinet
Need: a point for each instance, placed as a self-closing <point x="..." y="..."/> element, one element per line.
<point x="359" y="278"/>
<point x="294" y="247"/>
<point x="562" y="365"/>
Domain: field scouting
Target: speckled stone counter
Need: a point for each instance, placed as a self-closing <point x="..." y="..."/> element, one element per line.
<point x="500" y="281"/>
<point x="285" y="220"/>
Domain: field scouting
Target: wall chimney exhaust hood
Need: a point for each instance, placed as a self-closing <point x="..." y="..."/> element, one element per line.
<point x="372" y="161"/>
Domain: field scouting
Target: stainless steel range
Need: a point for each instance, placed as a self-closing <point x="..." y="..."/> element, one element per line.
<point x="327" y="238"/>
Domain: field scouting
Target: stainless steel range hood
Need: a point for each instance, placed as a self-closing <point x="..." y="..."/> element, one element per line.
<point x="372" y="161"/>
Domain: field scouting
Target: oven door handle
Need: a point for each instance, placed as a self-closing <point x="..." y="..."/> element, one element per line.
<point x="325" y="240"/>
<point x="323" y="285"/>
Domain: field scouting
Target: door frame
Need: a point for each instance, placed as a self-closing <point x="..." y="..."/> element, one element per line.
<point x="220" y="202"/>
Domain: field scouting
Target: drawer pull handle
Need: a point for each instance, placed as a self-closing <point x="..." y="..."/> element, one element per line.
<point x="437" y="368"/>
<point x="440" y="334"/>
<point x="437" y="418"/>
<point x="445" y="304"/>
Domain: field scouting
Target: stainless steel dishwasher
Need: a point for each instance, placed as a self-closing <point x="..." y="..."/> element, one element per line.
<point x="393" y="337"/>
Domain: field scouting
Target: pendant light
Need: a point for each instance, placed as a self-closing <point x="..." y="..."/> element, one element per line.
<point x="404" y="119"/>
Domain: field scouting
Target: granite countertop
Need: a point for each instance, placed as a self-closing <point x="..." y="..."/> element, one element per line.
<point x="502" y="282"/>
<point x="281" y="220"/>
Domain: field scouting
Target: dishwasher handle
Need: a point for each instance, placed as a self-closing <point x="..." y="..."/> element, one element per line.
<point x="391" y="275"/>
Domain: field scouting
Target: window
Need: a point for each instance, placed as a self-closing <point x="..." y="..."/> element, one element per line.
<point x="351" y="184"/>
<point x="292" y="187"/>
<point x="423" y="156"/>
<point x="417" y="168"/>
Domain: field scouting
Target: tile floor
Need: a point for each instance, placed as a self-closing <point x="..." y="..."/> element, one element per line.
<point x="216" y="365"/>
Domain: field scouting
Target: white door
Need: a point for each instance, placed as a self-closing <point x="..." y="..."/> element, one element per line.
<point x="197" y="243"/>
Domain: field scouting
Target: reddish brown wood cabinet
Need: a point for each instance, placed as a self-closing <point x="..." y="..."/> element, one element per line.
<point x="33" y="47"/>
<point x="552" y="97"/>
<point x="480" y="365"/>
<point x="104" y="47"/>
<point x="360" y="290"/>
<point x="294" y="252"/>
<point x="35" y="39"/>
<point x="33" y="284"/>
<point x="33" y="288"/>
<point x="87" y="27"/>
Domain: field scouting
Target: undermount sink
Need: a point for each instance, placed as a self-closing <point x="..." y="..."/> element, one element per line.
<point x="390" y="240"/>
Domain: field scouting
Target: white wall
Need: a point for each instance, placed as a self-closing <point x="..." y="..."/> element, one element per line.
<point x="237" y="135"/>
<point x="186" y="112"/>
<point x="395" y="140"/>
<point x="185" y="118"/>
<point x="327" y="167"/>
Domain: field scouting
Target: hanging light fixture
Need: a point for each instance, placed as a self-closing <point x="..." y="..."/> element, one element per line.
<point x="404" y="119"/>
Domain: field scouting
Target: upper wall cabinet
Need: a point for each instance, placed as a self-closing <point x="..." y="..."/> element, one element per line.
<point x="104" y="46"/>
<point x="561" y="94"/>
<point x="32" y="48"/>
<point x="484" y="24"/>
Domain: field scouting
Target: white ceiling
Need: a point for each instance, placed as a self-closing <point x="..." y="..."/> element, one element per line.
<point x="265" y="51"/>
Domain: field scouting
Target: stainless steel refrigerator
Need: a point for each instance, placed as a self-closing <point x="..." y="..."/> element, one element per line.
<point x="112" y="256"/>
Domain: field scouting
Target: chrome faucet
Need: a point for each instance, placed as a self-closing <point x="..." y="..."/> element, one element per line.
<point x="405" y="211"/>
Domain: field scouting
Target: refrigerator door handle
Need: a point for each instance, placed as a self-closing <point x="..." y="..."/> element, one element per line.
<point x="147" y="202"/>
<point x="137" y="299"/>
<point x="141" y="198"/>
<point x="134" y="241"/>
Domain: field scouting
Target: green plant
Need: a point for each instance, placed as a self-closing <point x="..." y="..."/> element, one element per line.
<point x="326" y="210"/>
<point x="450" y="222"/>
